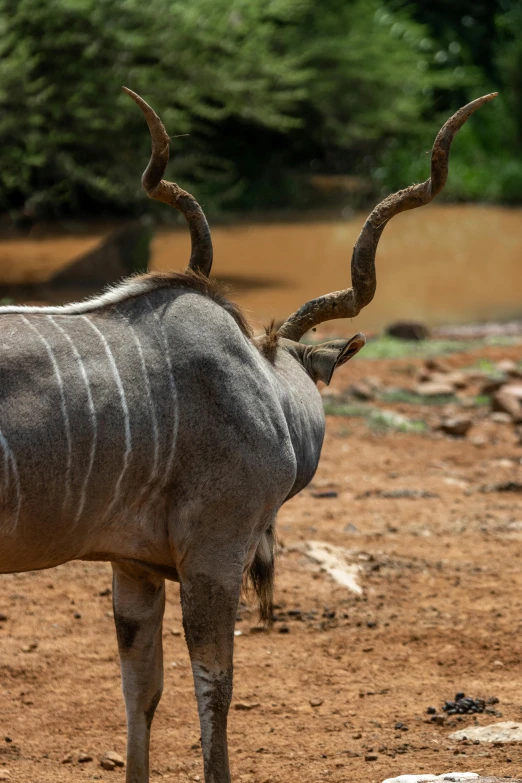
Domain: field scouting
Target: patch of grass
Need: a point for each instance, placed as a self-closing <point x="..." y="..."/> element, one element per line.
<point x="383" y="421"/>
<point x="392" y="348"/>
<point x="412" y="398"/>
<point x="333" y="408"/>
<point x="385" y="347"/>
<point x="377" y="420"/>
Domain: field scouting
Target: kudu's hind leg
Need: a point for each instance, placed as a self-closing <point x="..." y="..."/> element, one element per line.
<point x="139" y="601"/>
<point x="209" y="606"/>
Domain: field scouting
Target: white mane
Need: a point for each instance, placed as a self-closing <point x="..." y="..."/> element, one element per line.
<point x="114" y="295"/>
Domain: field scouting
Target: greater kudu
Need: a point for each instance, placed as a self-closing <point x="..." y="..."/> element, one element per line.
<point x="147" y="427"/>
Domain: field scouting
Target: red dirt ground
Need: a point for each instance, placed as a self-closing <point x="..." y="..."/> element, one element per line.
<point x="440" y="613"/>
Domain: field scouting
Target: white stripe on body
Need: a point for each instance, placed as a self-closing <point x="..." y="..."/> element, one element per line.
<point x="125" y="409"/>
<point x="63" y="404"/>
<point x="173" y="390"/>
<point x="155" y="463"/>
<point x="92" y="414"/>
<point x="9" y="459"/>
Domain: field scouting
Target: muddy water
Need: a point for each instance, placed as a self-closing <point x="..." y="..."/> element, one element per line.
<point x="439" y="264"/>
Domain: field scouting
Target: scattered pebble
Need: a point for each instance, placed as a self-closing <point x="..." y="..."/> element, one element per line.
<point x="243" y="705"/>
<point x="457" y="426"/>
<point x="3" y="617"/>
<point x="29" y="647"/>
<point x="77" y="616"/>
<point x="84" y="758"/>
<point x="371" y="757"/>
<point x="68" y="759"/>
<point x="392" y="494"/>
<point x="110" y="760"/>
<point x="316" y="702"/>
<point x="454" y="777"/>
<point x="503" y="486"/>
<point x="326" y="493"/>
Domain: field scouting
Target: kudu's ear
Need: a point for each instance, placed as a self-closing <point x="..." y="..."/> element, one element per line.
<point x="324" y="358"/>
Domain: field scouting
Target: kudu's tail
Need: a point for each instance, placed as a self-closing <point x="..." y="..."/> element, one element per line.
<point x="261" y="575"/>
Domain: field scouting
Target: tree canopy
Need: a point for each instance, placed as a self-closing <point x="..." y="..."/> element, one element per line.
<point x="262" y="94"/>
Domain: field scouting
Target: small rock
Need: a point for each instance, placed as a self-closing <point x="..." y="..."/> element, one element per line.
<point x="408" y="330"/>
<point x="399" y="494"/>
<point x="436" y="365"/>
<point x="454" y="777"/>
<point x="431" y="710"/>
<point x="361" y="391"/>
<point x="433" y="389"/>
<point x="84" y="758"/>
<point x="175" y="631"/>
<point x="370" y="757"/>
<point x="508" y="399"/>
<point x="110" y="759"/>
<point x="3" y="617"/>
<point x="243" y="705"/>
<point x="501" y="418"/>
<point x="507" y="731"/>
<point x="457" y="426"/>
<point x="29" y="647"/>
<point x="105" y="593"/>
<point x="315" y="702"/>
<point x="77" y="616"/>
<point x="283" y="629"/>
<point x="68" y="759"/>
<point x="508" y="367"/>
<point x="503" y="486"/>
<point x="351" y="528"/>
<point x="324" y="493"/>
<point x="5" y="774"/>
<point x="479" y="441"/>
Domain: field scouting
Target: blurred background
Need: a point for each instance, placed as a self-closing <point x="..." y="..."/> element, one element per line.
<point x="289" y="120"/>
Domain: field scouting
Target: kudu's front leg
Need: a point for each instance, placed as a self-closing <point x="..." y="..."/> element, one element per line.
<point x="139" y="601"/>
<point x="209" y="603"/>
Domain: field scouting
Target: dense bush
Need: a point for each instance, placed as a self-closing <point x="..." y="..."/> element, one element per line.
<point x="270" y="92"/>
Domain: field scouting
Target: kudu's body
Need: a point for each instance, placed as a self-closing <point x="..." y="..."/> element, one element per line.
<point x="147" y="427"/>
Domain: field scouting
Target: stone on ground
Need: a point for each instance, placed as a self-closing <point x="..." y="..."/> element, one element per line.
<point x="507" y="731"/>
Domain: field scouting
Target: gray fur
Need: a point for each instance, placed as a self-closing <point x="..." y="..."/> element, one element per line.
<point x="147" y="429"/>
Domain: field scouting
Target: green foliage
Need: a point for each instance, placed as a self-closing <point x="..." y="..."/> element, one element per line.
<point x="412" y="398"/>
<point x="270" y="91"/>
<point x="70" y="138"/>
<point x="377" y="419"/>
<point x="385" y="347"/>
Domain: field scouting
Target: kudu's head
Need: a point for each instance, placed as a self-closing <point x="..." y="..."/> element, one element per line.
<point x="319" y="361"/>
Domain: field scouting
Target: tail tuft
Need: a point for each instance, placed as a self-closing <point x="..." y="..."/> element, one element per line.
<point x="261" y="575"/>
